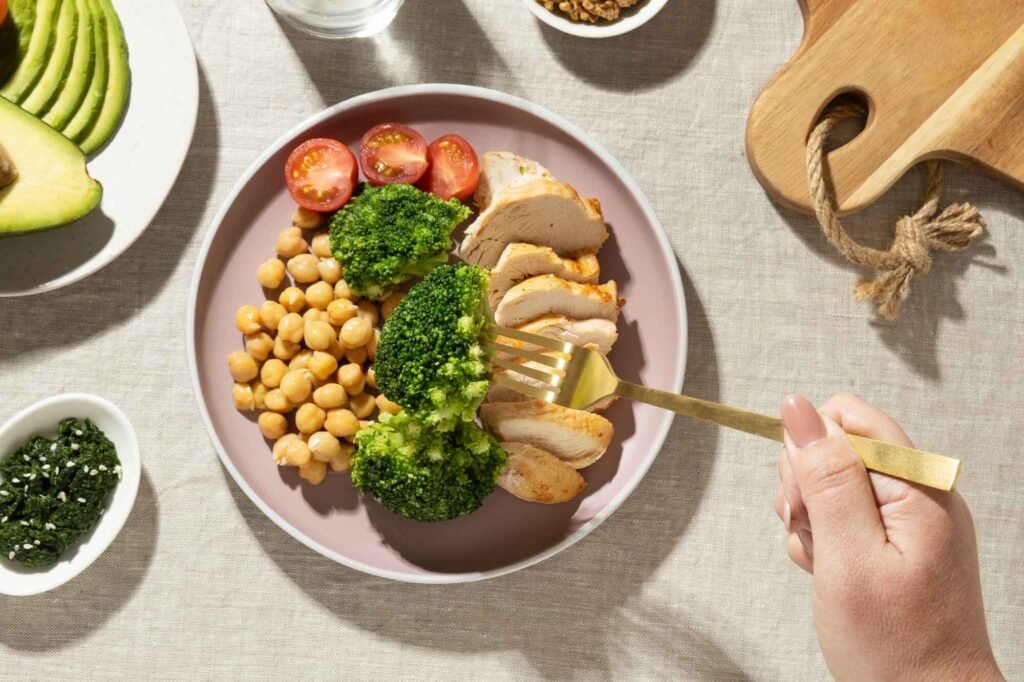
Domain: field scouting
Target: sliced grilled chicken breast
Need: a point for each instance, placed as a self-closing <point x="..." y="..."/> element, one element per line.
<point x="596" y="333"/>
<point x="522" y="261"/>
<point x="532" y="207"/>
<point x="536" y="475"/>
<point x="551" y="295"/>
<point x="577" y="438"/>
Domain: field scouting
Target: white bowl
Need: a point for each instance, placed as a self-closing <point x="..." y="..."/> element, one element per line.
<point x="602" y="29"/>
<point x="42" y="419"/>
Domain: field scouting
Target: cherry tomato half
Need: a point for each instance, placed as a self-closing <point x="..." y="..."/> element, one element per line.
<point x="393" y="153"/>
<point x="321" y="174"/>
<point x="454" y="168"/>
<point x="3" y="11"/>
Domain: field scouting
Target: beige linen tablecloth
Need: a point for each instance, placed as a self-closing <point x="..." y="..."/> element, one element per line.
<point x="689" y="580"/>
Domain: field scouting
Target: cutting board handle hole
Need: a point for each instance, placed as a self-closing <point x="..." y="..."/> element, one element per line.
<point x="848" y="130"/>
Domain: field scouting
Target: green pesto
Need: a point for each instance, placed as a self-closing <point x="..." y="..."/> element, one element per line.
<point x="54" y="491"/>
<point x="430" y="359"/>
<point x="425" y="474"/>
<point x="387" y="235"/>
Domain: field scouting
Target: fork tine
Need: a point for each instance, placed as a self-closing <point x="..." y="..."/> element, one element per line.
<point x="541" y="358"/>
<point x="548" y="378"/>
<point x="534" y="392"/>
<point x="533" y="339"/>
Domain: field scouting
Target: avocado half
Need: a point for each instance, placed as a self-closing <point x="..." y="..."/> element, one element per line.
<point x="52" y="187"/>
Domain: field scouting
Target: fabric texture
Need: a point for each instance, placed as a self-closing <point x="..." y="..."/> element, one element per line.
<point x="689" y="579"/>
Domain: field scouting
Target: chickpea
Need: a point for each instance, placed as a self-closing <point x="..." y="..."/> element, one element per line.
<point x="259" y="395"/>
<point x="388" y="406"/>
<point x="330" y="270"/>
<point x="371" y="345"/>
<point x="242" y="393"/>
<point x="272" y="425"/>
<point x="342" y="461"/>
<point x="387" y="306"/>
<point x="242" y="367"/>
<point x="343" y="290"/>
<point x="362" y="405"/>
<point x="280" y="445"/>
<point x="336" y="350"/>
<point x="297" y="385"/>
<point x="297" y="453"/>
<point x="371" y="378"/>
<point x="314" y="473"/>
<point x="292" y="299"/>
<point x="351" y="377"/>
<point x="356" y="355"/>
<point x="291" y="328"/>
<point x="324" y="446"/>
<point x="302" y="268"/>
<point x="290" y="243"/>
<point x="307" y="219"/>
<point x="341" y="311"/>
<point x="368" y="310"/>
<point x="330" y="396"/>
<point x="310" y="418"/>
<point x="272" y="372"/>
<point x="318" y="335"/>
<point x="341" y="423"/>
<point x="321" y="244"/>
<point x="270" y="273"/>
<point x="271" y="314"/>
<point x="322" y="365"/>
<point x="319" y="295"/>
<point x="285" y="350"/>
<point x="301" y="360"/>
<point x="259" y="345"/>
<point x="356" y="332"/>
<point x="247" y="319"/>
<point x="276" y="402"/>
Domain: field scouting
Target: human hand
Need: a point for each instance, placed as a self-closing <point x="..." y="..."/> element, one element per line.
<point x="895" y="566"/>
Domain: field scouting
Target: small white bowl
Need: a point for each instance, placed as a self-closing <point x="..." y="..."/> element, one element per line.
<point x="42" y="419"/>
<point x="602" y="29"/>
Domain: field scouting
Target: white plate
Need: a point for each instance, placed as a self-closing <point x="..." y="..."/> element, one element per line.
<point x="631" y="19"/>
<point x="42" y="419"/>
<point x="138" y="166"/>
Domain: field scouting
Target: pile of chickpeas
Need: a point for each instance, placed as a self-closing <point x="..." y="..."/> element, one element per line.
<point x="305" y="366"/>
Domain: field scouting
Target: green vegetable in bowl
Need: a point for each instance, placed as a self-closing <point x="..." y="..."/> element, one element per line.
<point x="53" y="492"/>
<point x="387" y="235"/>
<point x="425" y="474"/>
<point x="430" y="359"/>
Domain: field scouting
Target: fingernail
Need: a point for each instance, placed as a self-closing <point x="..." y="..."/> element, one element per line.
<point x="787" y="514"/>
<point x="806" y="540"/>
<point x="802" y="421"/>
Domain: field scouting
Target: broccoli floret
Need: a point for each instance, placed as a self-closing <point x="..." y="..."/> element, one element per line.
<point x="429" y="358"/>
<point x="388" y="234"/>
<point x="425" y="474"/>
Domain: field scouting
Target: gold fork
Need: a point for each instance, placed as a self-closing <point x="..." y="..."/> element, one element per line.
<point x="578" y="378"/>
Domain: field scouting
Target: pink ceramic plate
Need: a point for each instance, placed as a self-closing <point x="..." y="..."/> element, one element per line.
<point x="505" y="534"/>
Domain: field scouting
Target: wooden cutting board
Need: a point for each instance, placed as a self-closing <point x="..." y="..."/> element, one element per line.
<point x="942" y="79"/>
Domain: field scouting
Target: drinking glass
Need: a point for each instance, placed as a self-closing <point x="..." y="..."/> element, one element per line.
<point x="337" y="18"/>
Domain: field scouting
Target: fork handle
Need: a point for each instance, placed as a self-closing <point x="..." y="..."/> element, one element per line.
<point x="917" y="466"/>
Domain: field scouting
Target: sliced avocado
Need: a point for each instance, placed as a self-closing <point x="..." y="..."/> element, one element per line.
<point x="45" y="91"/>
<point x="89" y="109"/>
<point x="83" y="62"/>
<point x="15" y="36"/>
<point x="53" y="186"/>
<point x="31" y="67"/>
<point x="118" y="83"/>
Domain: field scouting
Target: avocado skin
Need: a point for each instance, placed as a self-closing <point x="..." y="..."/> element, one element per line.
<point x="53" y="187"/>
<point x="115" y="99"/>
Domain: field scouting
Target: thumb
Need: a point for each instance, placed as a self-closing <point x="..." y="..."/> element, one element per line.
<point x="833" y="483"/>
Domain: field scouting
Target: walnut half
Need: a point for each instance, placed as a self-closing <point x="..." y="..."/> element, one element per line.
<point x="8" y="173"/>
<point x="589" y="10"/>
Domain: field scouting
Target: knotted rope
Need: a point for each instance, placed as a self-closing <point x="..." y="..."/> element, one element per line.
<point x="916" y="235"/>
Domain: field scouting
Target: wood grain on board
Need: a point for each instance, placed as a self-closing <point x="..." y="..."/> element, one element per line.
<point x="941" y="78"/>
